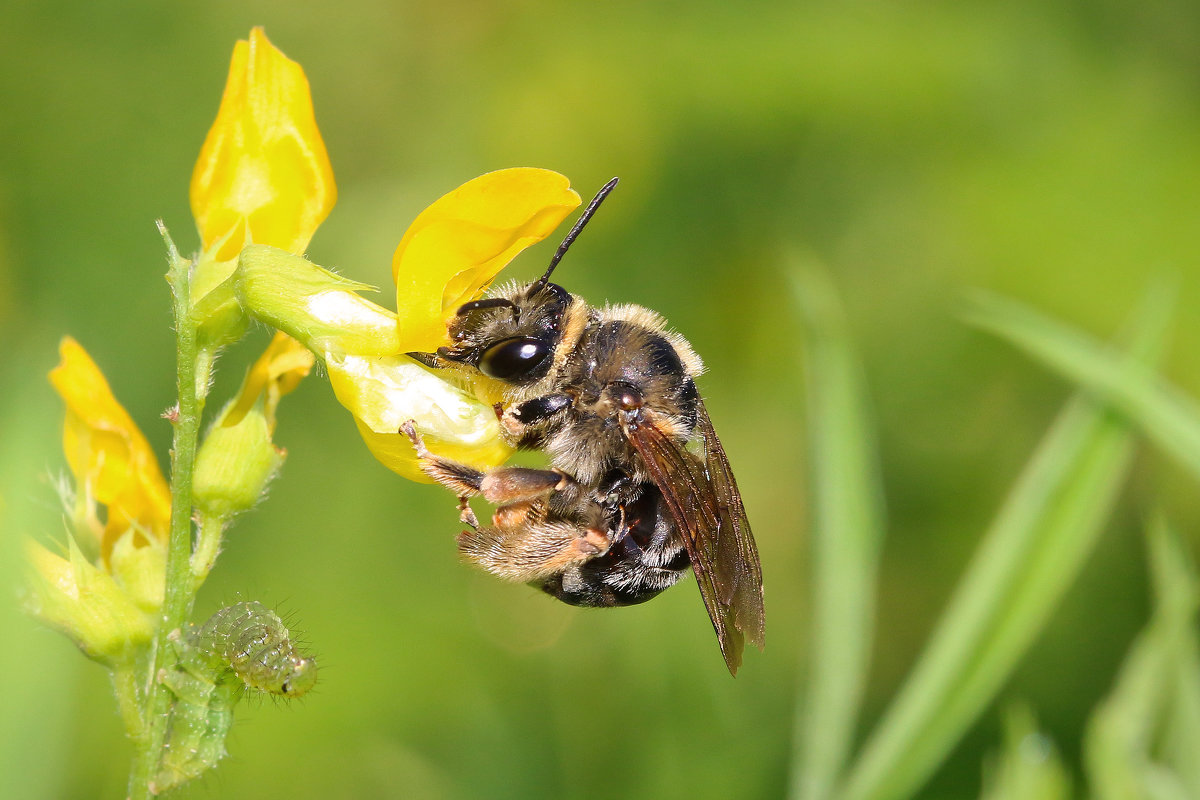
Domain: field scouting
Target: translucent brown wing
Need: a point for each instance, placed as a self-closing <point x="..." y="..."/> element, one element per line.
<point x="705" y="504"/>
<point x="747" y="599"/>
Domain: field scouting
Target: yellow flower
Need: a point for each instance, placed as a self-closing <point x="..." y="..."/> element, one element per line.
<point x="103" y="599"/>
<point x="109" y="457"/>
<point x="238" y="458"/>
<point x="263" y="174"/>
<point x="449" y="256"/>
<point x="454" y="248"/>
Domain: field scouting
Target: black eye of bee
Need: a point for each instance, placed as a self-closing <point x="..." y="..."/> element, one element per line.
<point x="514" y="359"/>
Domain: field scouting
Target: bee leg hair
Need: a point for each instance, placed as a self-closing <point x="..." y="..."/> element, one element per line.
<point x="532" y="551"/>
<point x="501" y="486"/>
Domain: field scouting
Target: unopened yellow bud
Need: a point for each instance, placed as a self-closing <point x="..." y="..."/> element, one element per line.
<point x="74" y="597"/>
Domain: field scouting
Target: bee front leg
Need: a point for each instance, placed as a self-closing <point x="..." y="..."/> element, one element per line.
<point x="531" y="412"/>
<point x="501" y="486"/>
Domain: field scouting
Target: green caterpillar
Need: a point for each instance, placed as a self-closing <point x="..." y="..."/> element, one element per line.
<point x="252" y="640"/>
<point x="242" y="647"/>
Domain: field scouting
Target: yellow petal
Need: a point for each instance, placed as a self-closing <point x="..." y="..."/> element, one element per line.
<point x="105" y="450"/>
<point x="263" y="174"/>
<point x="454" y="249"/>
<point x="278" y="371"/>
<point x="383" y="392"/>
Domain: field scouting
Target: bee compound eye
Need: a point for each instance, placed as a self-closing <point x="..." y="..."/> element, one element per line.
<point x="514" y="359"/>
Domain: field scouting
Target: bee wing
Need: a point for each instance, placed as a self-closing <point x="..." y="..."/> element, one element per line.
<point x="747" y="598"/>
<point x="706" y="507"/>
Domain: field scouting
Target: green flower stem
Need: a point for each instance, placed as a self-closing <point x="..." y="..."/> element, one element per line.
<point x="208" y="545"/>
<point x="192" y="376"/>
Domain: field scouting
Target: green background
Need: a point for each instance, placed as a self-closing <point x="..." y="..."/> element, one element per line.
<point x="1049" y="151"/>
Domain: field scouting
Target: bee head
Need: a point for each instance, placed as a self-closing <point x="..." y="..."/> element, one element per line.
<point x="511" y="337"/>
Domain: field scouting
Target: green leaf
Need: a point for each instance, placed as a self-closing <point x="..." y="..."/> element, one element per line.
<point x="1029" y="556"/>
<point x="1174" y="568"/>
<point x="1168" y="417"/>
<point x="847" y="531"/>
<point x="1154" y="698"/>
<point x="1029" y="767"/>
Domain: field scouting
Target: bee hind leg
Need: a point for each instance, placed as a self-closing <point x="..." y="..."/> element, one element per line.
<point x="531" y="551"/>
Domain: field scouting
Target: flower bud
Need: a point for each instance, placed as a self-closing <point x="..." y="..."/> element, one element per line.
<point x="74" y="597"/>
<point x="235" y="464"/>
<point x="315" y="306"/>
<point x="238" y="459"/>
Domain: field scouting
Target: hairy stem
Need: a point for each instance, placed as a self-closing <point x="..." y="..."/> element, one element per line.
<point x="192" y="382"/>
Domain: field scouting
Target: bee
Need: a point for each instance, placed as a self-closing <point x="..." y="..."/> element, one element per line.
<point x="639" y="488"/>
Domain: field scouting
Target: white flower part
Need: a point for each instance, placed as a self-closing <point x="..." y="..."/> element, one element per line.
<point x="342" y="309"/>
<point x="386" y="391"/>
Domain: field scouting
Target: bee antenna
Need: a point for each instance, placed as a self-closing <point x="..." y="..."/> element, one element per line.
<point x="575" y="229"/>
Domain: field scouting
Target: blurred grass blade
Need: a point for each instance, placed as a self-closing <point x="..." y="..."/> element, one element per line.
<point x="1175" y="569"/>
<point x="1169" y="418"/>
<point x="1029" y="767"/>
<point x="1119" y="759"/>
<point x="847" y="531"/>
<point x="1029" y="556"/>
